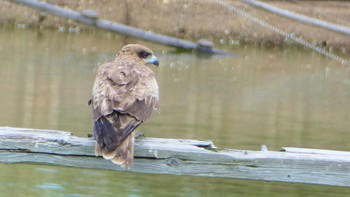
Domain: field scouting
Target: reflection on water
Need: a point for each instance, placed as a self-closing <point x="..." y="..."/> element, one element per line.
<point x="31" y="180"/>
<point x="279" y="97"/>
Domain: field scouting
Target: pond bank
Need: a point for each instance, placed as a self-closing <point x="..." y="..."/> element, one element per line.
<point x="194" y="20"/>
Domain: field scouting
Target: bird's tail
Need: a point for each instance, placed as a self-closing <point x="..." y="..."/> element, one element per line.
<point x="123" y="155"/>
<point x="125" y="152"/>
<point x="112" y="146"/>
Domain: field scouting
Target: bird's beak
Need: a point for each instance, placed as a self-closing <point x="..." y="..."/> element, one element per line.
<point x="153" y="60"/>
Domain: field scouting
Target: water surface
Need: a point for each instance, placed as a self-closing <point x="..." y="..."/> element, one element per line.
<point x="278" y="97"/>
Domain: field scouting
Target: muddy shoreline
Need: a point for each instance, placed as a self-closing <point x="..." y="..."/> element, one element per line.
<point x="194" y="20"/>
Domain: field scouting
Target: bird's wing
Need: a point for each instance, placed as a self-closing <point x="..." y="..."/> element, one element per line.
<point x="139" y="97"/>
<point x="127" y="91"/>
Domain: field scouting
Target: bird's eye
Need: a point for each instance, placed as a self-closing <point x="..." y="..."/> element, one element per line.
<point x="144" y="54"/>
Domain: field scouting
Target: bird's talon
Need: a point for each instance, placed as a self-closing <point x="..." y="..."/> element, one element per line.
<point x="139" y="136"/>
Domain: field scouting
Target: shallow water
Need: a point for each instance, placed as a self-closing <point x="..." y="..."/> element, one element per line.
<point x="278" y="97"/>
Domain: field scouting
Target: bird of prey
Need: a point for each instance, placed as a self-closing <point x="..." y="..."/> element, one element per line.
<point x="124" y="95"/>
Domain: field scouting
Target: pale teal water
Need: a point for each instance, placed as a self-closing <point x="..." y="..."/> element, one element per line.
<point x="277" y="97"/>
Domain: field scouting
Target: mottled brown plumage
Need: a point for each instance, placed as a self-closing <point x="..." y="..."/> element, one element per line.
<point x="124" y="95"/>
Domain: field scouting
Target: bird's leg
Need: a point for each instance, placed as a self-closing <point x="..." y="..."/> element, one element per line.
<point x="89" y="135"/>
<point x="139" y="135"/>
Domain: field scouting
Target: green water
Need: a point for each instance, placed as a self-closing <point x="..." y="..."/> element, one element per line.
<point x="277" y="97"/>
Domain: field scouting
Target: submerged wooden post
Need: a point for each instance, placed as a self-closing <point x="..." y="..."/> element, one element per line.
<point x="86" y="18"/>
<point x="179" y="157"/>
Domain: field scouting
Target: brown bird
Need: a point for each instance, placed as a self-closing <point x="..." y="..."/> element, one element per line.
<point x="124" y="95"/>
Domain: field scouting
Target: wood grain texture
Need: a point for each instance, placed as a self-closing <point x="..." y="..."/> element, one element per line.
<point x="179" y="157"/>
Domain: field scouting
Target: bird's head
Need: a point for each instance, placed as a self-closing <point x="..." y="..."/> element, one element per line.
<point x="140" y="52"/>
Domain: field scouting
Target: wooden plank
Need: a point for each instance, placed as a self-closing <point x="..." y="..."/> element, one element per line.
<point x="177" y="157"/>
<point x="315" y="151"/>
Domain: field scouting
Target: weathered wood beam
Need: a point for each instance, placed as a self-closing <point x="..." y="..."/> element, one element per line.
<point x="179" y="157"/>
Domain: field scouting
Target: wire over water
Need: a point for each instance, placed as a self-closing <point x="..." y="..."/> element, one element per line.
<point x="283" y="33"/>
